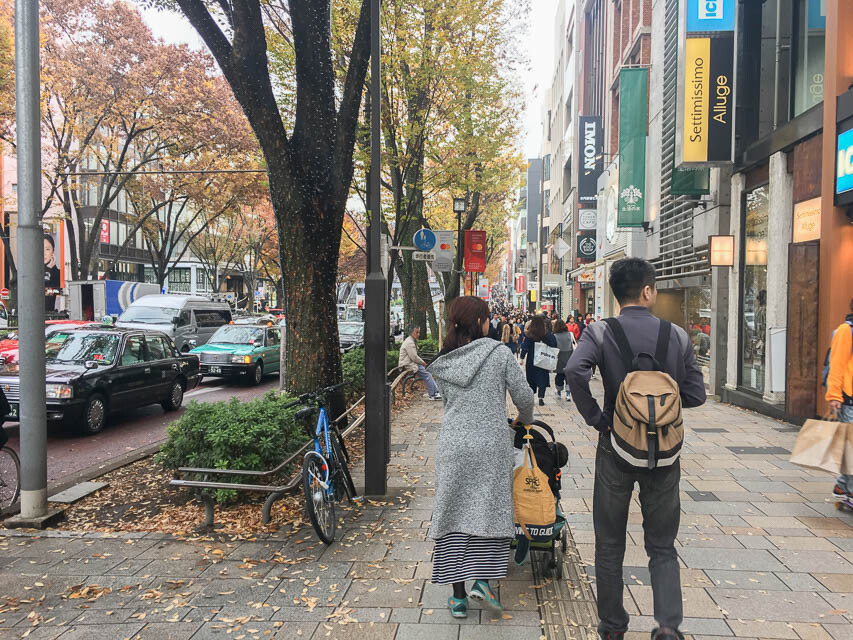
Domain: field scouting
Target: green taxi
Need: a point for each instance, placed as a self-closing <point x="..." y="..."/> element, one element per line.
<point x="241" y="351"/>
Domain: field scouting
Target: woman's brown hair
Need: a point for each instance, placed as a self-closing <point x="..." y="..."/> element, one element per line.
<point x="506" y="334"/>
<point x="560" y="326"/>
<point x="537" y="329"/>
<point x="465" y="322"/>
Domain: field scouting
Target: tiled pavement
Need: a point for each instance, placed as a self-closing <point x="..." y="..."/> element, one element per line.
<point x="764" y="555"/>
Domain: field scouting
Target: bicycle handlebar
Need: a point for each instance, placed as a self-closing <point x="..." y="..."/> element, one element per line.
<point x="305" y="397"/>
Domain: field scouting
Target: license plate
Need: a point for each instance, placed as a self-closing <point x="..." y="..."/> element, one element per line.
<point x="13" y="411"/>
<point x="215" y="369"/>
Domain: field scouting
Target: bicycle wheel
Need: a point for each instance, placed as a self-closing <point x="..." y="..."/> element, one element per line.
<point x="10" y="477"/>
<point x="342" y="470"/>
<point x="342" y="444"/>
<point x="318" y="499"/>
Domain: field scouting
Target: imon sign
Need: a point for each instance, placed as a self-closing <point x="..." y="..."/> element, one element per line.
<point x="592" y="161"/>
<point x="475" y="251"/>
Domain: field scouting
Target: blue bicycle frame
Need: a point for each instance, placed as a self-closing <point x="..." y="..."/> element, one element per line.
<point x="323" y="428"/>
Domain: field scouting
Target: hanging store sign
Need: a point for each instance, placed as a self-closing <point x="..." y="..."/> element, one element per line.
<point x="708" y="101"/>
<point x="587" y="219"/>
<point x="710" y="15"/>
<point x="844" y="168"/>
<point x="807" y="220"/>
<point x="105" y="231"/>
<point x="586" y="247"/>
<point x="633" y="117"/>
<point x="475" y="251"/>
<point x="591" y="158"/>
<point x="586" y="277"/>
<point x="520" y="286"/>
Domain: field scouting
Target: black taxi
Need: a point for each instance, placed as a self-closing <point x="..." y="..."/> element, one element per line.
<point x="94" y="371"/>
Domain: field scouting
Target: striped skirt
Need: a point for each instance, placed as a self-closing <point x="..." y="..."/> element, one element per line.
<point x="459" y="557"/>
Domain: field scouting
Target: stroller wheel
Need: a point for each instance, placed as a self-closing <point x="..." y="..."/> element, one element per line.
<point x="559" y="571"/>
<point x="564" y="541"/>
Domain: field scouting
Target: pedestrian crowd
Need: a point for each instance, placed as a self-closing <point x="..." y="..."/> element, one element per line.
<point x="492" y="482"/>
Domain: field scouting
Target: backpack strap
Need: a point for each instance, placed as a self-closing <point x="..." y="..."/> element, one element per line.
<point x="662" y="348"/>
<point x="622" y="342"/>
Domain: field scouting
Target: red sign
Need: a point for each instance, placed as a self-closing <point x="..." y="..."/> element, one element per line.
<point x="105" y="231"/>
<point x="4" y="294"/>
<point x="520" y="285"/>
<point x="475" y="251"/>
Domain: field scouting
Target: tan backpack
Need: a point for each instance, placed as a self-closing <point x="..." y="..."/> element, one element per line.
<point x="648" y="429"/>
<point x="535" y="506"/>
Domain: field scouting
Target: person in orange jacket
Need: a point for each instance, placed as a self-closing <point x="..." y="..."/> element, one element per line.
<point x="839" y="390"/>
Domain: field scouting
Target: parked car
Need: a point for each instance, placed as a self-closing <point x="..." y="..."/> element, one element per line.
<point x="189" y="320"/>
<point x="239" y="350"/>
<point x="354" y="314"/>
<point x="263" y="319"/>
<point x="9" y="342"/>
<point x="350" y="334"/>
<point x="92" y="372"/>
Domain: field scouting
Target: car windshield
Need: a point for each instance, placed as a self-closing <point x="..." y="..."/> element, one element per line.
<point x="351" y="329"/>
<point x="74" y="347"/>
<point x="236" y="334"/>
<point x="156" y="315"/>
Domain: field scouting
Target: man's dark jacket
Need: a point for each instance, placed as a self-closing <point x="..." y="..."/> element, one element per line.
<point x="597" y="348"/>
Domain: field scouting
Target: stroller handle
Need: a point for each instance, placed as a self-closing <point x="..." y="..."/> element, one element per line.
<point x="535" y="423"/>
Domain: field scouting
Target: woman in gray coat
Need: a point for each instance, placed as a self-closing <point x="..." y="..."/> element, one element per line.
<point x="473" y="521"/>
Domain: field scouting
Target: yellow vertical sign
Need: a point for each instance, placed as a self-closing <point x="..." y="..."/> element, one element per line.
<point x="696" y="84"/>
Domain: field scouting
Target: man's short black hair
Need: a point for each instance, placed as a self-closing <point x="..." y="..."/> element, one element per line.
<point x="629" y="276"/>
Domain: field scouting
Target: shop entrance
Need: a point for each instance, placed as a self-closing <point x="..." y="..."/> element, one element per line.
<point x="802" y="374"/>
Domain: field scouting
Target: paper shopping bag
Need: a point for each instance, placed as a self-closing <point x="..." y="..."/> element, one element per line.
<point x="545" y="357"/>
<point x="821" y="445"/>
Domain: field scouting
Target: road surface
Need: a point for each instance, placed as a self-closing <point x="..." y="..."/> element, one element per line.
<point x="69" y="454"/>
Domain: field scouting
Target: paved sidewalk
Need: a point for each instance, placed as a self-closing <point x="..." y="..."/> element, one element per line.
<point x="764" y="555"/>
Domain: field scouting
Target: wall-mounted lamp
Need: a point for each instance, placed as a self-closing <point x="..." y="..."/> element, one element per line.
<point x="722" y="251"/>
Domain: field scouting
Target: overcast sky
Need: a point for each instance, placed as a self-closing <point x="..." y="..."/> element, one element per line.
<point x="174" y="28"/>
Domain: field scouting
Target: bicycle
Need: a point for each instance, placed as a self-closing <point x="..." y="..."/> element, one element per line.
<point x="10" y="473"/>
<point x="325" y="470"/>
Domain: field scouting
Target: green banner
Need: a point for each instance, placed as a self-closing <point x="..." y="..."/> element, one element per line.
<point x="690" y="182"/>
<point x="633" y="118"/>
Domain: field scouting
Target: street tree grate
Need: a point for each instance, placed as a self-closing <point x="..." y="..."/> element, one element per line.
<point x="759" y="451"/>
<point x="710" y="430"/>
<point x="702" y="496"/>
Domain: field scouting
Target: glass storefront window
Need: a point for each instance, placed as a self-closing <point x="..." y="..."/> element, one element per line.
<point x="754" y="289"/>
<point x="809" y="48"/>
<point x="179" y="280"/>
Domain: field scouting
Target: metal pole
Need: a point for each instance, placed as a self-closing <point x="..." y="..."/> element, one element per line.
<point x="459" y="250"/>
<point x="376" y="430"/>
<point x="30" y="265"/>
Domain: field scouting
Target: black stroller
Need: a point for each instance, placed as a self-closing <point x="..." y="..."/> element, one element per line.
<point x="551" y="457"/>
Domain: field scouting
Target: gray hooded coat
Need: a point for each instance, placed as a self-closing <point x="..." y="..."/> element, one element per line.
<point x="474" y="460"/>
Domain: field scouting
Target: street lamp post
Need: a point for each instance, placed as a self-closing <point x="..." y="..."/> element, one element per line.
<point x="459" y="209"/>
<point x="377" y="413"/>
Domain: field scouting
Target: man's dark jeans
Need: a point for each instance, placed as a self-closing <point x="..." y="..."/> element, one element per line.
<point x="661" y="506"/>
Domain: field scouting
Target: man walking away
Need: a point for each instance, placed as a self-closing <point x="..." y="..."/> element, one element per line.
<point x="632" y="281"/>
<point x="409" y="358"/>
<point x="839" y="389"/>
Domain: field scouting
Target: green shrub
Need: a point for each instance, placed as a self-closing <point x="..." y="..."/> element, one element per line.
<point x="352" y="364"/>
<point x="255" y="435"/>
<point x="428" y="345"/>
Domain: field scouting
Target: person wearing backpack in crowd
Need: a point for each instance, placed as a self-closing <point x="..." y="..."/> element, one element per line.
<point x="473" y="523"/>
<point x="632" y="281"/>
<point x="838" y="380"/>
<point x="537" y="332"/>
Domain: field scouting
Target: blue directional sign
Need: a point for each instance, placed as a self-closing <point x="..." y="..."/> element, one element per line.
<point x="424" y="239"/>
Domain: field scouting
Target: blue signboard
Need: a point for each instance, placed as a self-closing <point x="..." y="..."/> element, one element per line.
<point x="710" y="15"/>
<point x="424" y="239"/>
<point x="817" y="14"/>
<point x="844" y="163"/>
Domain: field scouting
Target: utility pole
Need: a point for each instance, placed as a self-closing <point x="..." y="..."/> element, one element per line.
<point x="31" y="295"/>
<point x="459" y="206"/>
<point x="377" y="412"/>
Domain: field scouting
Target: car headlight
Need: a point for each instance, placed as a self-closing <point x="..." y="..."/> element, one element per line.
<point x="241" y="359"/>
<point x="59" y="391"/>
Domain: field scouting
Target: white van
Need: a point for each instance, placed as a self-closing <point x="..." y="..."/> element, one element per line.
<point x="189" y="320"/>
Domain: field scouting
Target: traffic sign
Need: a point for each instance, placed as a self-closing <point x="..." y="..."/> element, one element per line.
<point x="4" y="294"/>
<point x="424" y="239"/>
<point x="424" y="256"/>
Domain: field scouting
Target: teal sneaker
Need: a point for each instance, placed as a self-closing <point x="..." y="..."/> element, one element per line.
<point x="483" y="592"/>
<point x="458" y="607"/>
